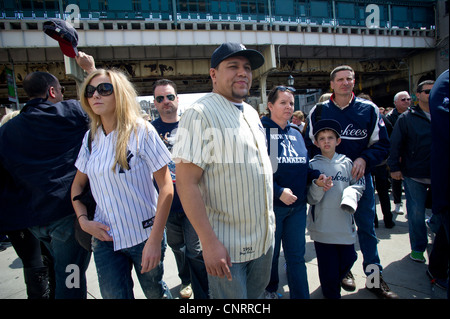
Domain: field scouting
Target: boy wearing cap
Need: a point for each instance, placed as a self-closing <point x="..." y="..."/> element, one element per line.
<point x="330" y="220"/>
<point x="224" y="178"/>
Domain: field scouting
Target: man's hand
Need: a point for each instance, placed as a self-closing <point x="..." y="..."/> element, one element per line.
<point x="288" y="197"/>
<point x="86" y="62"/>
<point x="217" y="260"/>
<point x="397" y="175"/>
<point x="359" y="167"/>
<point x="96" y="229"/>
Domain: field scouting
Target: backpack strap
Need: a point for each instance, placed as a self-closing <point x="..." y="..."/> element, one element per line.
<point x="317" y="116"/>
<point x="318" y="112"/>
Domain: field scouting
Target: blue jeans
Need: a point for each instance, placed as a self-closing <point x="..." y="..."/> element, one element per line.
<point x="249" y="279"/>
<point x="114" y="271"/>
<point x="70" y="260"/>
<point x="186" y="248"/>
<point x="290" y="229"/>
<point x="416" y="195"/>
<point x="364" y="218"/>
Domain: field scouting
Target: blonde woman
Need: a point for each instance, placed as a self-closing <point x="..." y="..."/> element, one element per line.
<point x="125" y="155"/>
<point x="9" y="116"/>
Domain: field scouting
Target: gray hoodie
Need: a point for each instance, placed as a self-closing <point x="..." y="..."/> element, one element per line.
<point x="330" y="218"/>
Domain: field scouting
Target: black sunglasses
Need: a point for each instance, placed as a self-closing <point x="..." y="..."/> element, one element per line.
<point x="285" y="88"/>
<point x="104" y="89"/>
<point x="160" y="98"/>
<point x="426" y="91"/>
<point x="405" y="99"/>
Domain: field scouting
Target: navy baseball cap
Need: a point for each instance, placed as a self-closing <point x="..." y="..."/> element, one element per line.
<point x="229" y="49"/>
<point x="66" y="35"/>
<point x="327" y="125"/>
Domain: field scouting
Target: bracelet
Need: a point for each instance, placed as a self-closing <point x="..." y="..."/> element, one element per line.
<point x="81" y="216"/>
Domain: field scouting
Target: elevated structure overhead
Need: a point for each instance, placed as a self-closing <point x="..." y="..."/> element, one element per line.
<point x="179" y="46"/>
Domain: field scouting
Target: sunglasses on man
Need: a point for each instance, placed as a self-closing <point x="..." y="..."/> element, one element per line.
<point x="425" y="91"/>
<point x="160" y="98"/>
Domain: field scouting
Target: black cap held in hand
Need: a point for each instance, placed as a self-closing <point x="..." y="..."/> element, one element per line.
<point x="66" y="35"/>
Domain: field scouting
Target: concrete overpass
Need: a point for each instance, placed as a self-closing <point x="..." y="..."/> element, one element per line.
<point x="386" y="60"/>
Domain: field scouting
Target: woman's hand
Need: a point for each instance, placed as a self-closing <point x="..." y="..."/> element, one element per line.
<point x="151" y="256"/>
<point x="96" y="229"/>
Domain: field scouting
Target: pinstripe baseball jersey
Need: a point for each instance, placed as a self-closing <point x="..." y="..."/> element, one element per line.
<point x="126" y="199"/>
<point x="229" y="145"/>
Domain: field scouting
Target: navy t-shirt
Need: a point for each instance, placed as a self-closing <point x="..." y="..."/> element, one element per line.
<point x="167" y="133"/>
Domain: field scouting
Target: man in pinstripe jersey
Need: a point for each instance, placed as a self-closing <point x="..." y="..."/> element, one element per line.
<point x="224" y="178"/>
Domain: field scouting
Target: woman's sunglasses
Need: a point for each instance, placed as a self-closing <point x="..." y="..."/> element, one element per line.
<point x="160" y="98"/>
<point x="285" y="88"/>
<point x="104" y="89"/>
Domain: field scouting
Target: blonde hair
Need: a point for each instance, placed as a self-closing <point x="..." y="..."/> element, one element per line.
<point x="299" y="114"/>
<point x="325" y="97"/>
<point x="127" y="111"/>
<point x="9" y="116"/>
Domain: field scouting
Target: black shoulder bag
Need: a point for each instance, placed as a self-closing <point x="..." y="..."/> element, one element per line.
<point x="83" y="238"/>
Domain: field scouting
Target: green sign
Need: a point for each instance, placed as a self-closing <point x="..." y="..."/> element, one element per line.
<point x="11" y="85"/>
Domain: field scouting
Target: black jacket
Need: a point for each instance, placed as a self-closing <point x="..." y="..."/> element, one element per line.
<point x="38" y="149"/>
<point x="411" y="144"/>
<point x="392" y="117"/>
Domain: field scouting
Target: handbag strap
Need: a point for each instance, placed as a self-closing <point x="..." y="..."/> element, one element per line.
<point x="90" y="142"/>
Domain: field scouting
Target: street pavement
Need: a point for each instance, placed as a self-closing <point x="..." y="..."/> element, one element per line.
<point x="404" y="276"/>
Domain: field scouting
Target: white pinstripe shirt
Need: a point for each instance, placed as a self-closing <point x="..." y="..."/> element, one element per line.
<point x="236" y="185"/>
<point x="126" y="199"/>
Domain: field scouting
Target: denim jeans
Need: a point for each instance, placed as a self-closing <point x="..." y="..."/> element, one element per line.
<point x="290" y="230"/>
<point x="380" y="173"/>
<point x="416" y="195"/>
<point x="114" y="271"/>
<point x="249" y="279"/>
<point x="186" y="248"/>
<point x="70" y="260"/>
<point x="364" y="218"/>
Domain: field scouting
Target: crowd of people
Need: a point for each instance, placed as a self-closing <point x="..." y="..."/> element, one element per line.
<point x="221" y="186"/>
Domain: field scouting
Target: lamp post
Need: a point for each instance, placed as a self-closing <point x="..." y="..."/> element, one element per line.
<point x="290" y="80"/>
